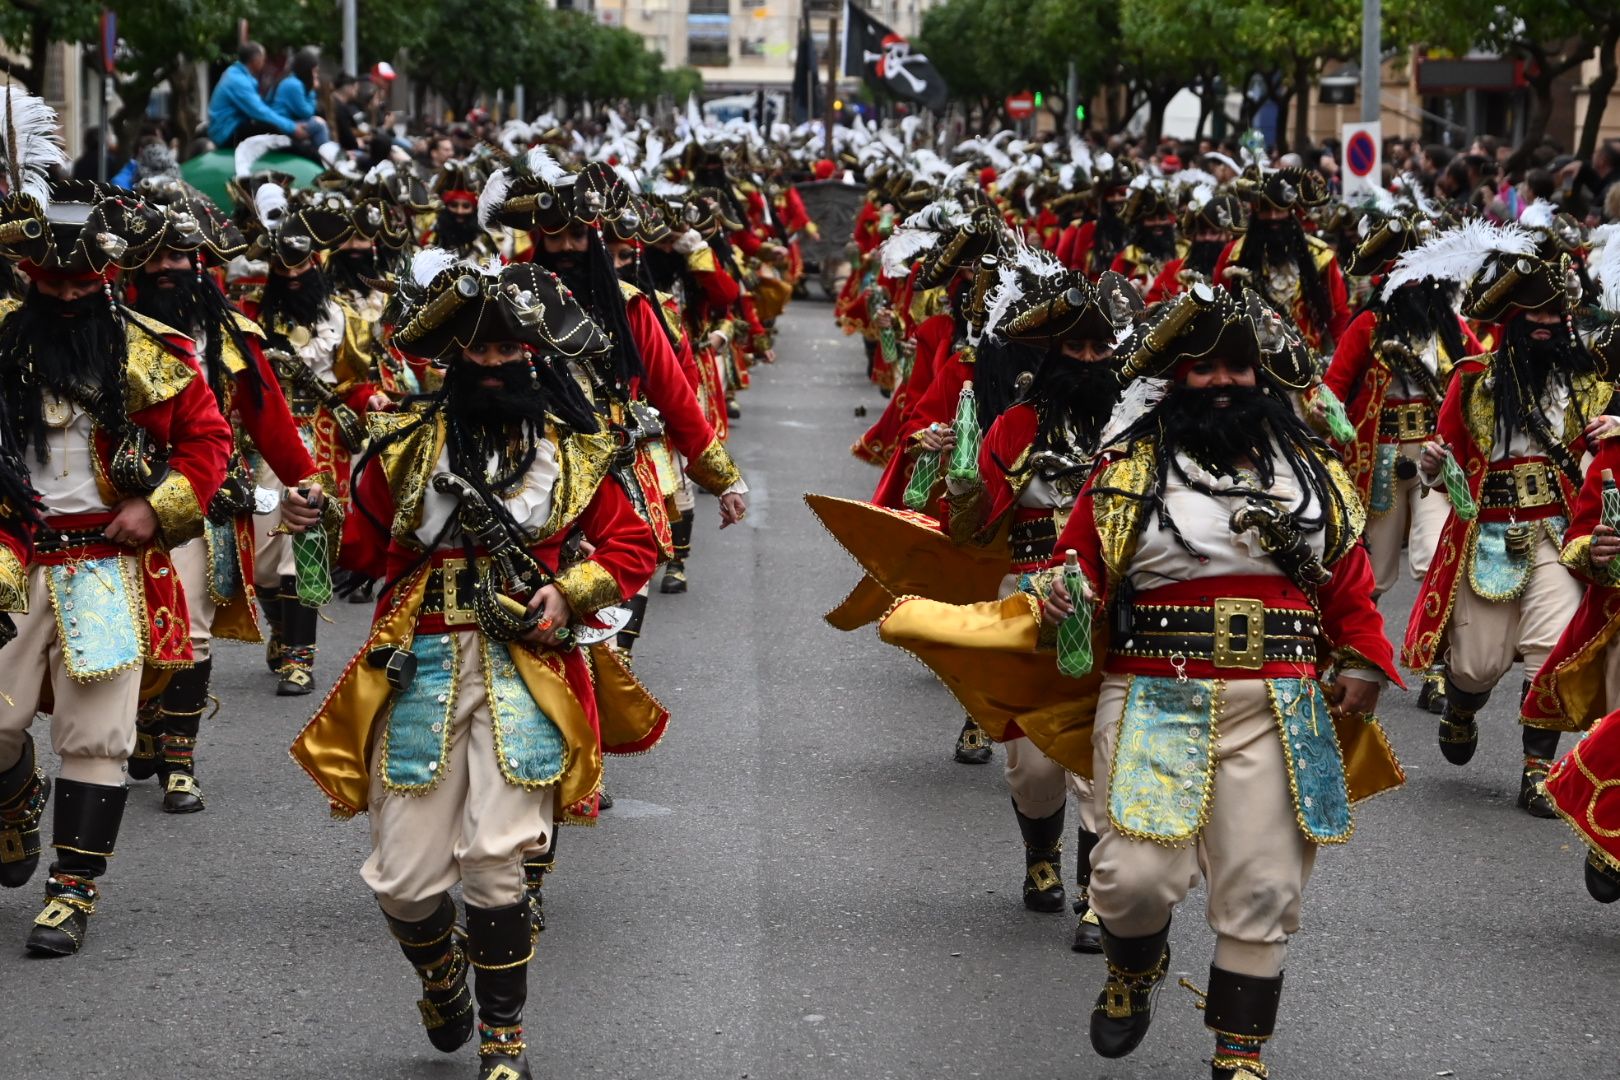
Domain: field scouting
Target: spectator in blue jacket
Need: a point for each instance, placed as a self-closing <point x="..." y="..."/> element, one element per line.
<point x="295" y="97"/>
<point x="236" y="111"/>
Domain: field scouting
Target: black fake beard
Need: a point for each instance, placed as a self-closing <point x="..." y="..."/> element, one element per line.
<point x="518" y="400"/>
<point x="75" y="349"/>
<point x="1078" y="394"/>
<point x="178" y="305"/>
<point x="664" y="267"/>
<point x="348" y="271"/>
<point x="572" y="267"/>
<point x="629" y="272"/>
<point x="1109" y="238"/>
<point x="456" y="231"/>
<point x="301" y="306"/>
<point x="1221" y="438"/>
<point x="1202" y="256"/>
<point x="1525" y="370"/>
<point x="1158" y="241"/>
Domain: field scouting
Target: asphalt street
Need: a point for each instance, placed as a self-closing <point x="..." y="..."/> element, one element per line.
<point x="799" y="882"/>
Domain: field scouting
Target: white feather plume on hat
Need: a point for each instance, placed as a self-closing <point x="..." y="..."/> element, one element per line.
<point x="1458" y="254"/>
<point x="254" y="147"/>
<point x="903" y="247"/>
<point x="1605" y="265"/>
<point x="493" y="195"/>
<point x="31" y="144"/>
<point x="270" y="204"/>
<point x="429" y="263"/>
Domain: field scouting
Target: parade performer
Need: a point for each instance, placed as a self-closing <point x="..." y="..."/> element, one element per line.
<point x="1390" y="370"/>
<point x="324" y="357"/>
<point x="1150" y="214"/>
<point x="126" y="449"/>
<point x="1217" y="550"/>
<point x="1032" y="463"/>
<point x="468" y="721"/>
<point x="1582" y="788"/>
<point x="175" y="287"/>
<point x="1091" y="246"/>
<point x="1514" y="421"/>
<point x="1293" y="271"/>
<point x="1209" y="223"/>
<point x="456" y="188"/>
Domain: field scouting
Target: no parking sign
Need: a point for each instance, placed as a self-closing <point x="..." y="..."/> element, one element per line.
<point x="1363" y="159"/>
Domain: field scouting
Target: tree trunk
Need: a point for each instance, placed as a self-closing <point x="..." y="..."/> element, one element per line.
<point x="1158" y="101"/>
<point x="1535" y="129"/>
<point x="1597" y="94"/>
<point x="1304" y="68"/>
<point x="1283" y="98"/>
<point x="183" y="85"/>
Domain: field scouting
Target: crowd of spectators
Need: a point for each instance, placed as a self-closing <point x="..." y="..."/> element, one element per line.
<point x="1483" y="175"/>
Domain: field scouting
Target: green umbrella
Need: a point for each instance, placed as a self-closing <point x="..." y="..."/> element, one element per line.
<point x="208" y="172"/>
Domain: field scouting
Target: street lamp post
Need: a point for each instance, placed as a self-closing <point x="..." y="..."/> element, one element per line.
<point x="1372" y="63"/>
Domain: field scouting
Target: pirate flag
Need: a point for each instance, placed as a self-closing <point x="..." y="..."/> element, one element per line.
<point x="884" y="59"/>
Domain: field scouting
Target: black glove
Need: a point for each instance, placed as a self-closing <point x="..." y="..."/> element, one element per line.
<point x="346" y="583"/>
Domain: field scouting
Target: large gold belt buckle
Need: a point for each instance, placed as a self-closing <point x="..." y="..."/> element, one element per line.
<point x="1532" y="485"/>
<point x="1240" y="644"/>
<point x="1412" y="421"/>
<point x="454" y="613"/>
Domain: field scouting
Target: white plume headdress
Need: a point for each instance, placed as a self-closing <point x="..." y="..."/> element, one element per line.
<point x="32" y="146"/>
<point x="1458" y="254"/>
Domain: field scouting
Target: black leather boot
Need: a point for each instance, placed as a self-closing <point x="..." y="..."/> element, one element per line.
<point x="83" y="834"/>
<point x="143" y="763"/>
<point x="1043" y="860"/>
<point x="1088" y="931"/>
<point x="499" y="946"/>
<point x="298" y="623"/>
<point x="441" y="962"/>
<point x="1242" y="1012"/>
<point x="1540" y="750"/>
<point x="1459" y="734"/>
<point x="632" y="628"/>
<point x="675" y="569"/>
<point x="23" y="793"/>
<point x="184" y="700"/>
<point x="1433" y="694"/>
<point x="1124" y="1009"/>
<point x="534" y="876"/>
<point x="972" y="745"/>
<point x="1602" y="880"/>
<point x="274" y="647"/>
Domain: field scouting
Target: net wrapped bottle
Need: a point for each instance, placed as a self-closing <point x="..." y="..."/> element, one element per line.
<point x="1333" y="414"/>
<point x="312" y="565"/>
<point x="1074" y="633"/>
<point x="889" y="341"/>
<point x="964" y="463"/>
<point x="1462" y="501"/>
<point x="924" y="475"/>
<point x="1610" y="516"/>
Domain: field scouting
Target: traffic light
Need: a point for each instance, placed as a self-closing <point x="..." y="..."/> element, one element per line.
<point x="1080" y="113"/>
<point x="838" y="104"/>
<point x="1040" y="99"/>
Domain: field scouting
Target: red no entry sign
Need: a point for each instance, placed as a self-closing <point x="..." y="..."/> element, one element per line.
<point x="1021" y="106"/>
<point x="1361" y="153"/>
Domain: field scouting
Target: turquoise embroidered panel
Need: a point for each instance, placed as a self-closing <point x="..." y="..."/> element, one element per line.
<point x="528" y="744"/>
<point x="98" y="617"/>
<point x="1159" y="785"/>
<point x="224" y="568"/>
<point x="417" y="738"/>
<point x="1381" y="500"/>
<point x="1316" y="770"/>
<point x="1494" y="573"/>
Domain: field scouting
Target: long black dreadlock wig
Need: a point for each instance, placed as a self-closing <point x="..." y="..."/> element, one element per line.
<point x="195" y="303"/>
<point x="596" y="286"/>
<point x="481" y="423"/>
<point x="1280" y="241"/>
<point x="1259" y="426"/>
<point x="1418" y="312"/>
<point x="1525" y="371"/>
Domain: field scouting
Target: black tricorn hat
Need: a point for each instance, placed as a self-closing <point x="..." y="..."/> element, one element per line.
<point x="1070" y="306"/>
<point x="1523" y="282"/>
<point x="1290" y="188"/>
<point x="190" y="221"/>
<point x="462" y="304"/>
<point x="1210" y="321"/>
<point x="86" y="229"/>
